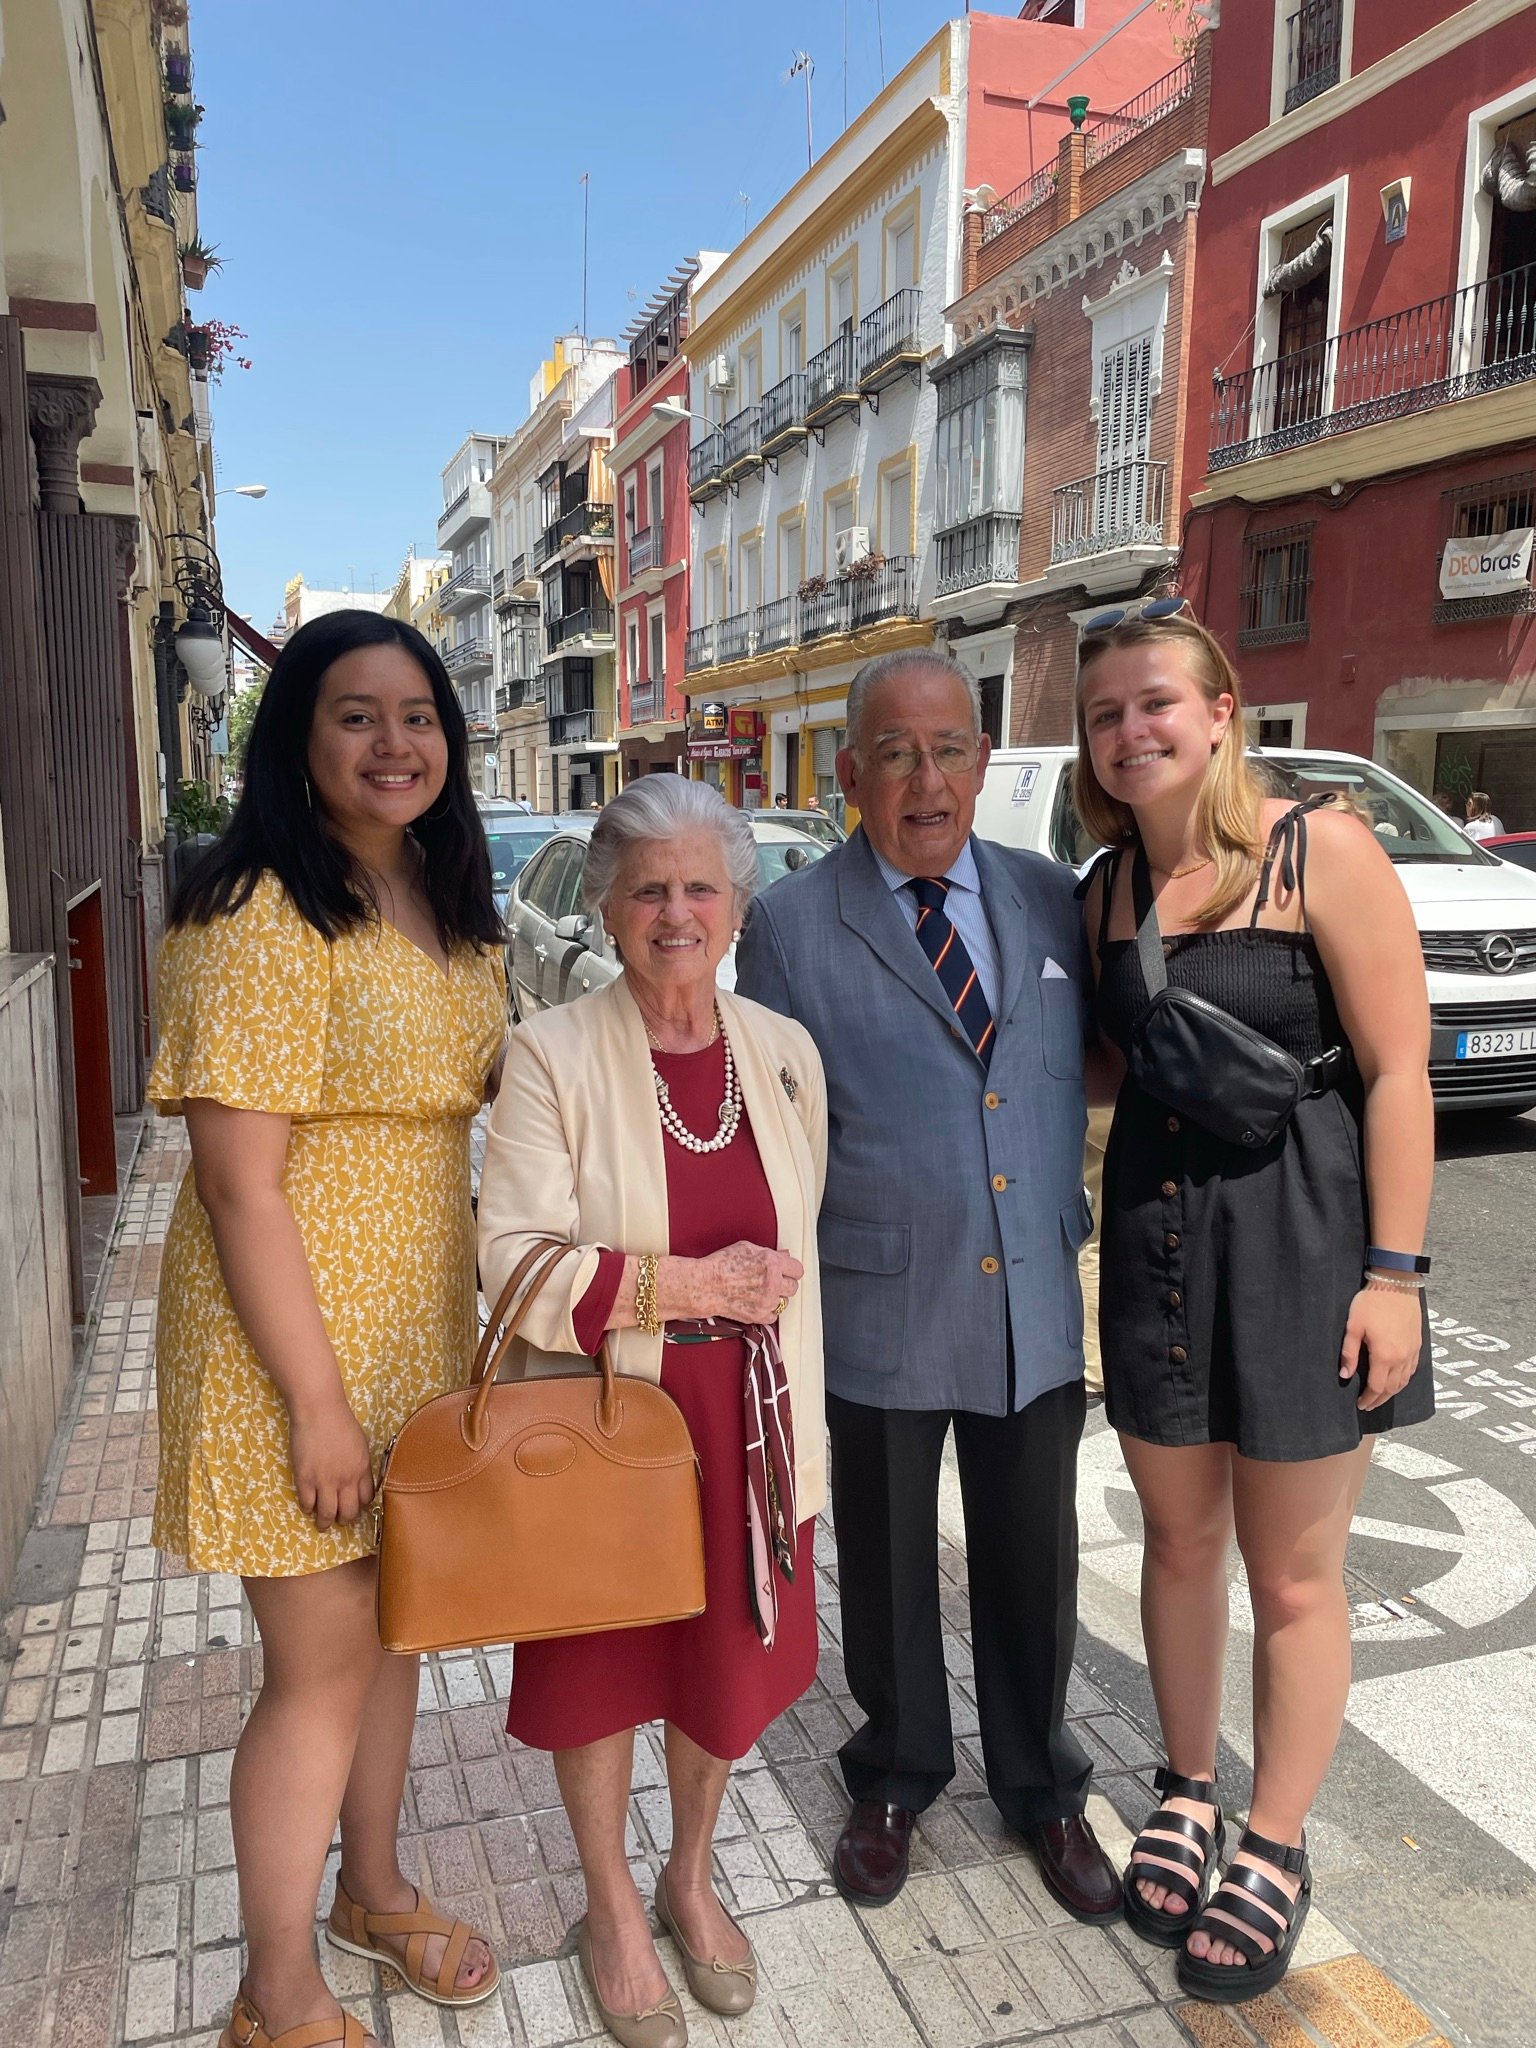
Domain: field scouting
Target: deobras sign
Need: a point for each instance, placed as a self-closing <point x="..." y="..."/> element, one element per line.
<point x="1483" y="568"/>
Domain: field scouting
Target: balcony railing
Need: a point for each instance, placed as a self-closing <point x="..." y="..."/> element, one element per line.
<point x="831" y="380"/>
<point x="776" y="625"/>
<point x="1015" y="204"/>
<point x="742" y="441"/>
<point x="469" y="656"/>
<point x="705" y="459"/>
<point x="519" y="571"/>
<point x="644" y="702"/>
<point x="783" y="412"/>
<point x="699" y="650"/>
<point x="520" y="694"/>
<point x="1477" y="339"/>
<point x="737" y="636"/>
<point x="498" y="586"/>
<point x="1110" y="132"/>
<point x="983" y="550"/>
<point x="645" y="550"/>
<point x="469" y="584"/>
<point x="547" y="544"/>
<point x="1120" y="507"/>
<point x="1314" y="40"/>
<point x="590" y="521"/>
<point x="580" y="728"/>
<point x="888" y="343"/>
<point x="592" y="622"/>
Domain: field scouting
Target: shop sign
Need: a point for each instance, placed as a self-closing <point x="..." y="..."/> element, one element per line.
<point x="721" y="750"/>
<point x="710" y="720"/>
<point x="1486" y="566"/>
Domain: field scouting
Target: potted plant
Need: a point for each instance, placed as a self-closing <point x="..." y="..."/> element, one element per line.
<point x="184" y="175"/>
<point x="178" y="70"/>
<point x="199" y="261"/>
<point x="866" y="568"/>
<point x="813" y="586"/>
<point x="211" y="347"/>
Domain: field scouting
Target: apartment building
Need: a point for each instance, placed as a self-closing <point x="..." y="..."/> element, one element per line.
<point x="464" y="598"/>
<point x="1362" y="382"/>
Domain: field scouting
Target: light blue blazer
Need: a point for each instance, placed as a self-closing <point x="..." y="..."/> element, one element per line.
<point x="954" y="1203"/>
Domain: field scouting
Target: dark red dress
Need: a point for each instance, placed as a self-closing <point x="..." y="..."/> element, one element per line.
<point x="710" y="1676"/>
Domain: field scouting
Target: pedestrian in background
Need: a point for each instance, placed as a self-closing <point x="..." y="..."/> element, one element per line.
<point x="781" y="802"/>
<point x="678" y="1136"/>
<point x="941" y="978"/>
<point x="1264" y="1316"/>
<point x="1481" y="822"/>
<point x="331" y="1006"/>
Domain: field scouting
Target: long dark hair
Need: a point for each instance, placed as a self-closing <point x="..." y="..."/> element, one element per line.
<point x="279" y="827"/>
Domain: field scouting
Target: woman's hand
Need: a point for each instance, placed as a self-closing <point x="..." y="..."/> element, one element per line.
<point x="332" y="1468"/>
<point x="747" y="1282"/>
<point x="1388" y="1325"/>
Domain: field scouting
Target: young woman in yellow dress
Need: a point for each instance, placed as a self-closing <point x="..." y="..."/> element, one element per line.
<point x="332" y="1007"/>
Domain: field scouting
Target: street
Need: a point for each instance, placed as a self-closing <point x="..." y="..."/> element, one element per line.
<point x="1425" y="1838"/>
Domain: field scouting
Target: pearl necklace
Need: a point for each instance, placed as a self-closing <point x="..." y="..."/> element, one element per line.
<point x="730" y="1108"/>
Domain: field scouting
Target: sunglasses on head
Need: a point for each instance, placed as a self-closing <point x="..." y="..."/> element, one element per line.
<point x="1159" y="608"/>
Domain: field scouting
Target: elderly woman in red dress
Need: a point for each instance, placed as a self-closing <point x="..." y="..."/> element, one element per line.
<point x="678" y="1136"/>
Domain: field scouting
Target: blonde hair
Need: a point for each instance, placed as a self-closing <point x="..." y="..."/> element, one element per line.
<point x="1227" y="817"/>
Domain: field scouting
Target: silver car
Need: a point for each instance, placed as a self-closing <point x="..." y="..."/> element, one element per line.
<point x="556" y="951"/>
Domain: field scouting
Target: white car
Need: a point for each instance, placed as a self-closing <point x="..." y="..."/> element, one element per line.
<point x="557" y="952"/>
<point x="1476" y="913"/>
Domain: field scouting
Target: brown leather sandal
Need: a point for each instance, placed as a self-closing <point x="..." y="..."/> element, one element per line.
<point x="247" y="2029"/>
<point x="366" y="1934"/>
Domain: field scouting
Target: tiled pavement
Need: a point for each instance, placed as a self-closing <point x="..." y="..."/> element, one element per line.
<point x="122" y="1687"/>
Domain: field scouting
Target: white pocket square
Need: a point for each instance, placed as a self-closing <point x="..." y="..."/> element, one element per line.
<point x="1051" y="972"/>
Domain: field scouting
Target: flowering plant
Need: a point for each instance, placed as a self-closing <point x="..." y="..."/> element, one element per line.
<point x="211" y="346"/>
<point x="866" y="568"/>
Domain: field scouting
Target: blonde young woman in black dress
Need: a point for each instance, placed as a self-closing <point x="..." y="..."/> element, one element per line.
<point x="1262" y="1315"/>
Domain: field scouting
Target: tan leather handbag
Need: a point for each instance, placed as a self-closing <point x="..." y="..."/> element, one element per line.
<point x="540" y="1507"/>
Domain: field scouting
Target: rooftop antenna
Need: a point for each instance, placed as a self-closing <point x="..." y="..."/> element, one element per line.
<point x="845" y="63"/>
<point x="880" y="33"/>
<point x="744" y="201"/>
<point x="586" y="204"/>
<point x="804" y="65"/>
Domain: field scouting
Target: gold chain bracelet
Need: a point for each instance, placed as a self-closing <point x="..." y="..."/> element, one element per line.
<point x="1394" y="1283"/>
<point x="647" y="1313"/>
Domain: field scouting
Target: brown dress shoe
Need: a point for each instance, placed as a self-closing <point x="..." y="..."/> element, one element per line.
<point x="1076" y="1871"/>
<point x="869" y="1864"/>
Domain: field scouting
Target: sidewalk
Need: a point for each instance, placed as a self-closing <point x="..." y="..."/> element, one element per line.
<point x="122" y="1688"/>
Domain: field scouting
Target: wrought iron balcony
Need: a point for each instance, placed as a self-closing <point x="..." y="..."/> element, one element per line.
<point x="1101" y="138"/>
<point x="741" y="442"/>
<point x="776" y="625"/>
<point x="592" y="520"/>
<point x="699" y="651"/>
<point x="705" y="460"/>
<point x="1314" y="42"/>
<point x="575" y="729"/>
<point x="832" y="382"/>
<point x="470" y="658"/>
<point x="593" y="622"/>
<point x="645" y="550"/>
<point x="983" y="550"/>
<point x="737" y="637"/>
<point x="644" y="702"/>
<point x="783" y="413"/>
<point x="545" y="545"/>
<point x="521" y="694"/>
<point x="1015" y="204"/>
<point x="887" y="591"/>
<point x="888" y="343"/>
<point x="1120" y="507"/>
<point x="1474" y="340"/>
<point x="470" y="586"/>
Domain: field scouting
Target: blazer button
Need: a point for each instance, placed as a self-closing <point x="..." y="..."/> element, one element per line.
<point x="1175" y="1299"/>
<point x="989" y="1264"/>
<point x="1173" y="1123"/>
<point x="999" y="1181"/>
<point x="1172" y="1241"/>
<point x="1170" y="1188"/>
<point x="991" y="1100"/>
<point x="1178" y="1354"/>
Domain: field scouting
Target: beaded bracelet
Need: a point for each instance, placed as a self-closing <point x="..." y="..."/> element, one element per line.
<point x="647" y="1313"/>
<point x="1393" y="1283"/>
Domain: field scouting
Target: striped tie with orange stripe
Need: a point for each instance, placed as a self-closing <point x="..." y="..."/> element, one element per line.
<point x="953" y="965"/>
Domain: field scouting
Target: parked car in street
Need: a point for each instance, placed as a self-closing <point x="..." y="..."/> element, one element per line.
<point x="556" y="951"/>
<point x="817" y="823"/>
<point x="1517" y="847"/>
<point x="1476" y="913"/>
<point x="514" y="835"/>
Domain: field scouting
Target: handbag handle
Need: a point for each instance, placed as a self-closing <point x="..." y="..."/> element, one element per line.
<point x="496" y="1341"/>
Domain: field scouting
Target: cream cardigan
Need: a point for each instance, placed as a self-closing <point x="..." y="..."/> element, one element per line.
<point x="574" y="1151"/>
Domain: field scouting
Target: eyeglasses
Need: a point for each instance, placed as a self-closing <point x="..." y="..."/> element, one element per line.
<point x="1159" y="608"/>
<point x="899" y="763"/>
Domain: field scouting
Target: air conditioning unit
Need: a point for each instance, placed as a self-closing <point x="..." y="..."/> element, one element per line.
<point x="721" y="373"/>
<point x="850" y="546"/>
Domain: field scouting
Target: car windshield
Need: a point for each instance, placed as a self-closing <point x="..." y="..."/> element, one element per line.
<point x="510" y="853"/>
<point x="822" y="829"/>
<point x="1408" y="826"/>
<point x="779" y="857"/>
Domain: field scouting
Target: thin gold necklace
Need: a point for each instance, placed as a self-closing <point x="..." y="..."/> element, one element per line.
<point x="714" y="1033"/>
<point x="1178" y="874"/>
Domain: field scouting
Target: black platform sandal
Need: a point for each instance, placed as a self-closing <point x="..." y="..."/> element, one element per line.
<point x="1199" y="1852"/>
<point x="1261" y="1969"/>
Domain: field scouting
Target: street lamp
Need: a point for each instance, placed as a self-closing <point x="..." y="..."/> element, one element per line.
<point x="200" y="650"/>
<point x="242" y="491"/>
<point x="674" y="412"/>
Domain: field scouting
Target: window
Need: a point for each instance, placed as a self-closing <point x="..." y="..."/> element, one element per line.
<point x="900" y="250"/>
<point x="1125" y="425"/>
<point x="896" y="511"/>
<point x="657" y="622"/>
<point x="791" y="343"/>
<point x="1510" y="321"/>
<point x="629" y="509"/>
<point x="714" y="589"/>
<point x="842" y="299"/>
<point x="840" y="510"/>
<point x="1314" y="47"/>
<point x="791" y="556"/>
<point x="749" y="376"/>
<point x="749" y="581"/>
<point x="1302" y="281"/>
<point x="654" y="503"/>
<point x="980" y="442"/>
<point x="1481" y="511"/>
<point x="632" y="649"/>
<point x="1277" y="575"/>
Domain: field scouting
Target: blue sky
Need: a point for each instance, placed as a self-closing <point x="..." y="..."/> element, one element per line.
<point x="393" y="188"/>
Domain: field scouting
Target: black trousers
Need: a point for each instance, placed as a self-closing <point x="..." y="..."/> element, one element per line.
<point x="1017" y="1483"/>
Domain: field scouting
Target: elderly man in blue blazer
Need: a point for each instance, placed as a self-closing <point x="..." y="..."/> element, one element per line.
<point x="942" y="979"/>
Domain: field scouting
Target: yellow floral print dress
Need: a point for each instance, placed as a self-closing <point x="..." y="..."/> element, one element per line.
<point x="380" y="1059"/>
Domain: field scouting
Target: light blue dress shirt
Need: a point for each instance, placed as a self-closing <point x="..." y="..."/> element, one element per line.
<point x="965" y="910"/>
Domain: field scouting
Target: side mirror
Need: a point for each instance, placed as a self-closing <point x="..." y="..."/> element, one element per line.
<point x="578" y="927"/>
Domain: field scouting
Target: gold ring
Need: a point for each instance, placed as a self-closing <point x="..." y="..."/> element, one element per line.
<point x="783" y="1304"/>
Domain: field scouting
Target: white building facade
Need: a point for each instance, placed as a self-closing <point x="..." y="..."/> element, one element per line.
<point x="464" y="534"/>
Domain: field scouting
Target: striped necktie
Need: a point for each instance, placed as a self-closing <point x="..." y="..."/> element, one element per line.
<point x="953" y="965"/>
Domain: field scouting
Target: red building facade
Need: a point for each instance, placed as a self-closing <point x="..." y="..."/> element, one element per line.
<point x="1362" y="383"/>
<point x="649" y="463"/>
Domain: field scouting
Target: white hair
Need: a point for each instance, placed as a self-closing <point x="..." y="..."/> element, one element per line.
<point x="907" y="661"/>
<point x="663" y="806"/>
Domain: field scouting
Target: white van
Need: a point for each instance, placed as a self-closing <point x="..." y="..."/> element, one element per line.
<point x="1476" y="914"/>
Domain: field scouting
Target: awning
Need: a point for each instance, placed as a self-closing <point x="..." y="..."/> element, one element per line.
<point x="1510" y="175"/>
<point x="252" y="641"/>
<point x="1301" y="268"/>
